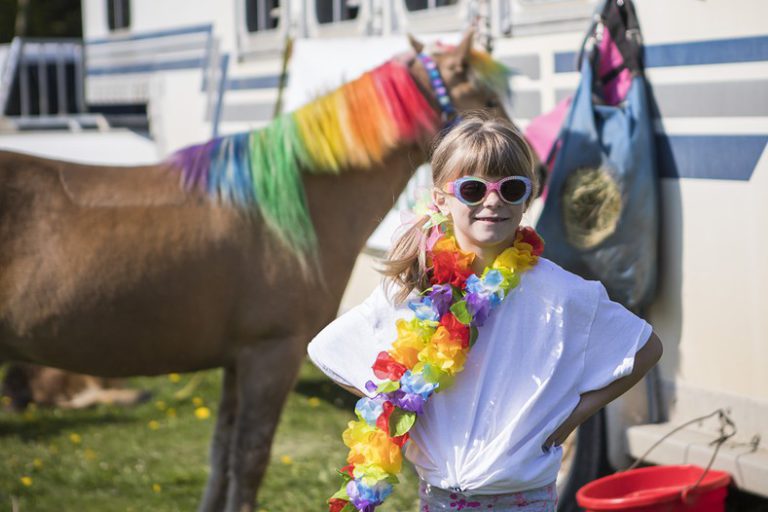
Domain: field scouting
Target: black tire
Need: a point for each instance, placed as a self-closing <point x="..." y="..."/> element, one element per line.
<point x="590" y="461"/>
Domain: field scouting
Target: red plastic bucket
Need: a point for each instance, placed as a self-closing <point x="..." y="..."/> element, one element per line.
<point x="657" y="489"/>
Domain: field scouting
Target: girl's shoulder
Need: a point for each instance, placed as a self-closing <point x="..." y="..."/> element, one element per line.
<point x="548" y="289"/>
<point x="383" y="298"/>
<point x="381" y="310"/>
<point x="548" y="276"/>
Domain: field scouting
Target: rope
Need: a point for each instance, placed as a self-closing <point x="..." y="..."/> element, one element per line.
<point x="287" y="54"/>
<point x="727" y="430"/>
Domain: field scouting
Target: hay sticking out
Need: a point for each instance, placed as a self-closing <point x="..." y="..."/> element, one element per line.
<point x="592" y="205"/>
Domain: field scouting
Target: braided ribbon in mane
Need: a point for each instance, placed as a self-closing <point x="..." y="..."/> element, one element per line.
<point x="429" y="351"/>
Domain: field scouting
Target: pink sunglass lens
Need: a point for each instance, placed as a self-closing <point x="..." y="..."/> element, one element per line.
<point x="472" y="191"/>
<point x="513" y="190"/>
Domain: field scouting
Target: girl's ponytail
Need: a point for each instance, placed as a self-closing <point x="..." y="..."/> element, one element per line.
<point x="406" y="267"/>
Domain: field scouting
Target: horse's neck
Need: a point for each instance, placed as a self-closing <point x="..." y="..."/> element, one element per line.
<point x="346" y="208"/>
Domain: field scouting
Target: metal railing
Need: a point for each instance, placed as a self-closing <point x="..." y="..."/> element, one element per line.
<point x="43" y="79"/>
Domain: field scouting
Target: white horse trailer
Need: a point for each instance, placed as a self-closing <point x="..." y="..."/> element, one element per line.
<point x="198" y="68"/>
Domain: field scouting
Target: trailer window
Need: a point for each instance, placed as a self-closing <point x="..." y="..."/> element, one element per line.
<point x="262" y="15"/>
<point x="332" y="11"/>
<point x="420" y="5"/>
<point x="118" y="14"/>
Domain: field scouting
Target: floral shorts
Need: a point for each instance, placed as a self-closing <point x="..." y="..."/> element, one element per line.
<point x="435" y="499"/>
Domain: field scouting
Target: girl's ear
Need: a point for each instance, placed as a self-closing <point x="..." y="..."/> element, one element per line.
<point x="438" y="197"/>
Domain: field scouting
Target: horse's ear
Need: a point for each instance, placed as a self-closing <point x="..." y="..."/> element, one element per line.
<point x="461" y="53"/>
<point x="417" y="45"/>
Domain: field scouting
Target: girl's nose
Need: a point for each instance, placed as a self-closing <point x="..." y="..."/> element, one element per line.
<point x="493" y="198"/>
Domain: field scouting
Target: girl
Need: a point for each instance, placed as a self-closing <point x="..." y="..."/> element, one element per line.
<point x="499" y="353"/>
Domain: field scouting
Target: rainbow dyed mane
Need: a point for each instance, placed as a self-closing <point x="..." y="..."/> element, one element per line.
<point x="353" y="126"/>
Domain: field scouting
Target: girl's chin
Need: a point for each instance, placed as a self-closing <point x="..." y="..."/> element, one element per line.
<point x="493" y="239"/>
<point x="500" y="231"/>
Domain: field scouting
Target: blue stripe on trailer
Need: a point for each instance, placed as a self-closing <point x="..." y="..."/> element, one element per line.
<point x="147" y="67"/>
<point x="151" y="35"/>
<point x="254" y="82"/>
<point x="725" y="51"/>
<point x="716" y="51"/>
<point x="713" y="157"/>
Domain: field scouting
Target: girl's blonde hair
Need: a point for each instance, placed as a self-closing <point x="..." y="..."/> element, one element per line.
<point x="476" y="146"/>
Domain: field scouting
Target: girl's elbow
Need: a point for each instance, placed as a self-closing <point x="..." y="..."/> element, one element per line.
<point x="654" y="348"/>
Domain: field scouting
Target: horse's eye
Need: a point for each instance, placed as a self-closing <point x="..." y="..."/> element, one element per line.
<point x="491" y="103"/>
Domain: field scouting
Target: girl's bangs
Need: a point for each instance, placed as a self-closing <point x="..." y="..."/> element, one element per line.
<point x="492" y="158"/>
<point x="491" y="149"/>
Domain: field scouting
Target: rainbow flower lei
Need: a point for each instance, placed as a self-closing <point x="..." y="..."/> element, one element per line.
<point x="429" y="351"/>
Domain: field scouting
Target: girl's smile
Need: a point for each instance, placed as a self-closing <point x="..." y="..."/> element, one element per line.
<point x="491" y="219"/>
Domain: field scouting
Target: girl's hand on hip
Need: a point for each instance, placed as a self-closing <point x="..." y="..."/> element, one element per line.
<point x="562" y="432"/>
<point x="593" y="401"/>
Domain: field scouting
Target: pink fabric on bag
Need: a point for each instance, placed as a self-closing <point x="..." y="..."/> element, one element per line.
<point x="543" y="130"/>
<point x="614" y="91"/>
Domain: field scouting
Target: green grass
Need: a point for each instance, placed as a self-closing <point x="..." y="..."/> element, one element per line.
<point x="146" y="458"/>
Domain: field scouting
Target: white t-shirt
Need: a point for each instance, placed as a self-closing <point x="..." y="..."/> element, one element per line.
<point x="554" y="337"/>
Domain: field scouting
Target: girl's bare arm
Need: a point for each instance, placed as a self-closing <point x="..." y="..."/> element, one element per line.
<point x="593" y="401"/>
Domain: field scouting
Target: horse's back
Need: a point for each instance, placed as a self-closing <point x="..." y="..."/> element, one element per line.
<point x="94" y="260"/>
<point x="93" y="185"/>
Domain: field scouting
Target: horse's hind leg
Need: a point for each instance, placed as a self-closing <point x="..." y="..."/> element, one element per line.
<point x="265" y="375"/>
<point x="216" y="487"/>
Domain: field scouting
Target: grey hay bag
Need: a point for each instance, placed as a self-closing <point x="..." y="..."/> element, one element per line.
<point x="600" y="218"/>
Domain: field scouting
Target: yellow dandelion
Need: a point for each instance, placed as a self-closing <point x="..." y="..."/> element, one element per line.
<point x="75" y="438"/>
<point x="26" y="481"/>
<point x="197" y="401"/>
<point x="313" y="401"/>
<point x="153" y="425"/>
<point x="6" y="400"/>
<point x="174" y="377"/>
<point x="160" y="405"/>
<point x="157" y="487"/>
<point x="170" y="412"/>
<point x="202" y="413"/>
<point x="29" y="415"/>
<point x="89" y="454"/>
<point x="37" y="463"/>
<point x="286" y="459"/>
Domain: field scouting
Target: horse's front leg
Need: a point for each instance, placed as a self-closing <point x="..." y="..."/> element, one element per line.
<point x="216" y="487"/>
<point x="265" y="375"/>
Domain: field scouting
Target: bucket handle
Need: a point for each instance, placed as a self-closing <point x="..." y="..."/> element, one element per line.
<point x="727" y="430"/>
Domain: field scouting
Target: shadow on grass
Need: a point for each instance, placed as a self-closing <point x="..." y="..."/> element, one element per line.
<point x="326" y="391"/>
<point x="48" y="425"/>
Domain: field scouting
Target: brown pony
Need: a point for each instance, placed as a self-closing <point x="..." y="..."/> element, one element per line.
<point x="118" y="272"/>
